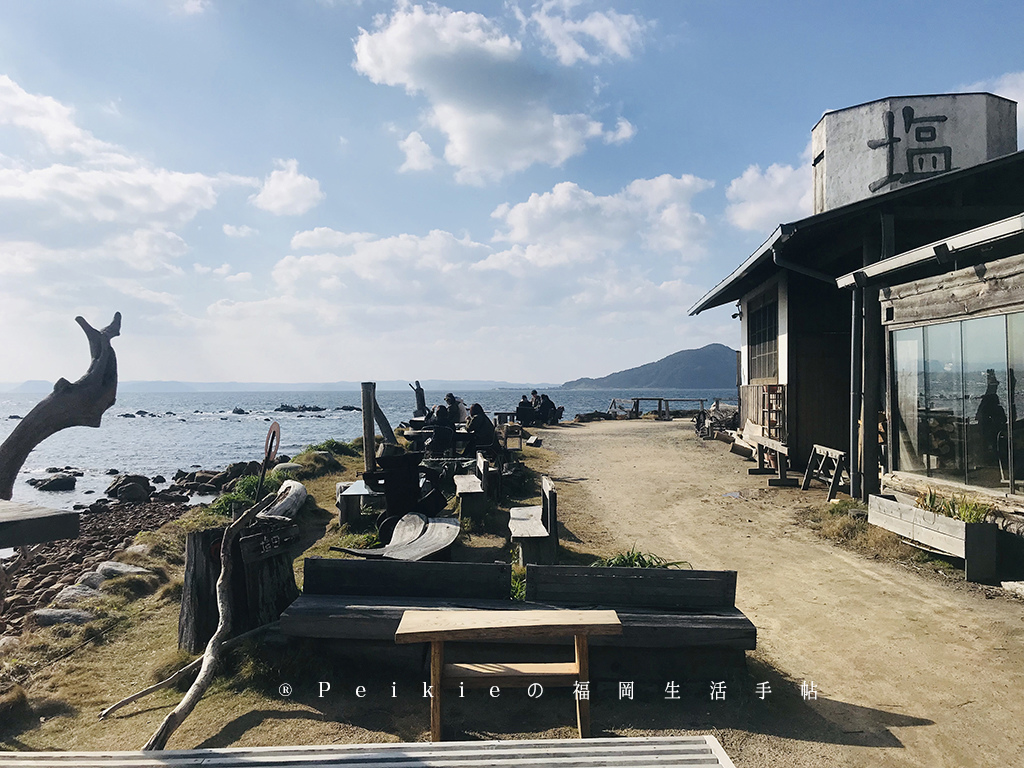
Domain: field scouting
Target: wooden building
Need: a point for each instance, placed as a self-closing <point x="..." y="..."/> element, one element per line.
<point x="814" y="364"/>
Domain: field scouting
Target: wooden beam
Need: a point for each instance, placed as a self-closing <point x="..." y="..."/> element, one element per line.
<point x="25" y="524"/>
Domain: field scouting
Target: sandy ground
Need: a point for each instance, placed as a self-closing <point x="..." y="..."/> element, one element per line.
<point x="910" y="670"/>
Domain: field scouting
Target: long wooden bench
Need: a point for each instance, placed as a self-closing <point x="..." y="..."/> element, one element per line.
<point x="365" y="599"/>
<point x="658" y="607"/>
<point x="534" y="530"/>
<point x="665" y="751"/>
<point x="780" y="455"/>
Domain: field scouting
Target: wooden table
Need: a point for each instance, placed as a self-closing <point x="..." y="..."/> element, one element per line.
<point x="24" y="524"/>
<point x="436" y="627"/>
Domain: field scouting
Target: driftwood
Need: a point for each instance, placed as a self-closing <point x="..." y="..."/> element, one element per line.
<point x="69" y="405"/>
<point x="81" y="404"/>
<point x="185" y="671"/>
<point x="211" y="657"/>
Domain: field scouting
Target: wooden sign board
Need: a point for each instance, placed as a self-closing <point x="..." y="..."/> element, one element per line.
<point x="262" y="546"/>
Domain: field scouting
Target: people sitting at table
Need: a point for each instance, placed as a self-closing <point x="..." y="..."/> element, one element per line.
<point x="481" y="431"/>
<point x="443" y="438"/>
<point x="456" y="408"/>
<point x="548" y="413"/>
<point x="535" y="399"/>
<point x="525" y="412"/>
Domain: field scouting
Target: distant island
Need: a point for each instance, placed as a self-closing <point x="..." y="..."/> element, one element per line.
<point x="710" y="367"/>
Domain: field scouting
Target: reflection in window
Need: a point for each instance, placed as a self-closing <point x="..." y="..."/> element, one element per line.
<point x="907" y="397"/>
<point x="942" y="416"/>
<point x="1015" y="397"/>
<point x="985" y="388"/>
<point x="763" y="336"/>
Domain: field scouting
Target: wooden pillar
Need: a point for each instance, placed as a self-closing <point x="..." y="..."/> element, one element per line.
<point x="856" y="383"/>
<point x="582" y="704"/>
<point x="436" y="686"/>
<point x="877" y="246"/>
<point x="369" y="446"/>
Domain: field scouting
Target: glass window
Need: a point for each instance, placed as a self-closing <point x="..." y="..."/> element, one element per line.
<point x="908" y="398"/>
<point x="985" y="401"/>
<point x="763" y="337"/>
<point x="1015" y="397"/>
<point x="943" y="402"/>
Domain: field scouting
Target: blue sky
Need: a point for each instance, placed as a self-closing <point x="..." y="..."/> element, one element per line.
<point x="319" y="190"/>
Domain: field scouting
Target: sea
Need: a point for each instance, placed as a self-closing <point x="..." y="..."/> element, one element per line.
<point x="156" y="433"/>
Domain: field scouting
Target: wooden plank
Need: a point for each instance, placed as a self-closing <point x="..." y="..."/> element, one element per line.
<point x="25" y="524"/>
<point x="936" y="531"/>
<point x="407" y="530"/>
<point x="665" y="588"/>
<point x="512" y="675"/>
<point x="583" y="704"/>
<point x="369" y="578"/>
<point x="422" y="626"/>
<point x="437" y="683"/>
<point x="262" y="546"/>
<point x="667" y="751"/>
<point x="467" y="484"/>
<point x="440" y="533"/>
<point x="526" y="522"/>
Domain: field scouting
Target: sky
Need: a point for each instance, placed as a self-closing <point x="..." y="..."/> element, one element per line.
<point x="326" y="190"/>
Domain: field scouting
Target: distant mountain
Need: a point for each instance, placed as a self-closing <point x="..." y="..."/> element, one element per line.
<point x="33" y="386"/>
<point x="336" y="386"/>
<point x="710" y="367"/>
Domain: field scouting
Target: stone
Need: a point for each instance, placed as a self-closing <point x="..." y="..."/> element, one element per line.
<point x="92" y="579"/>
<point x="239" y="411"/>
<point x="132" y="493"/>
<point x="46" y="617"/>
<point x="113" y="472"/>
<point x="61" y="481"/>
<point x="288" y="466"/>
<point x="159" y="479"/>
<point x="108" y="569"/>
<point x="75" y="593"/>
<point x="8" y="643"/>
<point x="138" y="549"/>
<point x="124" y="480"/>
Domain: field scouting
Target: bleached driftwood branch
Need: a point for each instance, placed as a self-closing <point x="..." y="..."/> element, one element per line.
<point x="69" y="405"/>
<point x="210" y="660"/>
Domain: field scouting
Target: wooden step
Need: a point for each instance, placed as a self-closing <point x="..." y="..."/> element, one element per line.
<point x="518" y="675"/>
<point x="665" y="752"/>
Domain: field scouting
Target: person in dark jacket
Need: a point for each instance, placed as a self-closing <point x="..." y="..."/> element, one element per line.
<point x="481" y="430"/>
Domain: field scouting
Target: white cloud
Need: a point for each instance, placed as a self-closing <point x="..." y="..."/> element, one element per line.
<point x="191" y="7"/>
<point x="624" y="131"/>
<point x="286" y="192"/>
<point x="325" y="238"/>
<point x="600" y="36"/>
<point x="491" y="103"/>
<point x="570" y="224"/>
<point x="418" y="155"/>
<point x="1009" y="86"/>
<point x="760" y="200"/>
<point x="240" y="277"/>
<point x="243" y="231"/>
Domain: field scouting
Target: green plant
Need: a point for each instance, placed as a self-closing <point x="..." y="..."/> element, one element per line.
<point x="958" y="507"/>
<point x="518" y="582"/>
<point x="636" y="559"/>
<point x="336" y="447"/>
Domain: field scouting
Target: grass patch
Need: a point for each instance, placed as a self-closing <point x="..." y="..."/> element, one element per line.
<point x="636" y="559"/>
<point x="131" y="586"/>
<point x="337" y="447"/>
<point x="959" y="507"/>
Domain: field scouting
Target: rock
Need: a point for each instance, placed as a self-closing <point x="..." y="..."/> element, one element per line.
<point x="92" y="579"/>
<point x="288" y="466"/>
<point x="47" y="568"/>
<point x="126" y="415"/>
<point x="281" y="459"/>
<point x="239" y="411"/>
<point x="180" y="475"/>
<point x="52" y="470"/>
<point x="13" y="416"/>
<point x="113" y="472"/>
<point x="123" y="480"/>
<point x="159" y="479"/>
<point x="58" y="482"/>
<point x="75" y="593"/>
<point x="205" y="489"/>
<point x="108" y="569"/>
<point x="49" y="581"/>
<point x="45" y="617"/>
<point x="141" y="413"/>
<point x="139" y="549"/>
<point x="8" y="643"/>
<point x="132" y="493"/>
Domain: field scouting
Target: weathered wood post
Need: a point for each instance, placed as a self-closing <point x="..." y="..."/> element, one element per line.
<point x="369" y="446"/>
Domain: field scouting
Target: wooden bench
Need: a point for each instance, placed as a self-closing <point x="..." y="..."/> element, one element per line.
<point x="534" y="530"/>
<point x="416" y="537"/>
<point x="780" y="455"/>
<point x="827" y="465"/>
<point x="436" y="627"/>
<point x="658" y="607"/>
<point x="26" y="524"/>
<point x="664" y="751"/>
<point x="365" y="599"/>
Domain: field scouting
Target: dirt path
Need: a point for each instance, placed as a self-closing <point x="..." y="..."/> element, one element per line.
<point x="910" y="671"/>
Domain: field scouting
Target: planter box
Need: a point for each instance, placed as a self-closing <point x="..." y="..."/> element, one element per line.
<point x="974" y="542"/>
